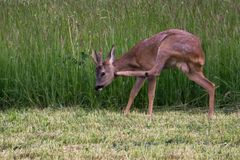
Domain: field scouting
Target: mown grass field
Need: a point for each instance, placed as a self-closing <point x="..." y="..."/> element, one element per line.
<point x="82" y="133"/>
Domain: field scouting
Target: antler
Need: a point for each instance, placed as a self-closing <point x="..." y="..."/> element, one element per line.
<point x="97" y="58"/>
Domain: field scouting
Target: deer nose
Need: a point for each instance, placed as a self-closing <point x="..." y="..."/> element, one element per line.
<point x="98" y="88"/>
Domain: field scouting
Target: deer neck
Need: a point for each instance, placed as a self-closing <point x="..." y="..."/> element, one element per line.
<point x="126" y="63"/>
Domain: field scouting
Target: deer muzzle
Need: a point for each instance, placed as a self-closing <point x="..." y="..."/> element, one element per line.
<point x="99" y="88"/>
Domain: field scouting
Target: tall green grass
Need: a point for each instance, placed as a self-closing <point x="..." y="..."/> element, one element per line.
<point x="45" y="48"/>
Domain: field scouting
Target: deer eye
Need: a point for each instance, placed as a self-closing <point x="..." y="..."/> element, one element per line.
<point x="102" y="74"/>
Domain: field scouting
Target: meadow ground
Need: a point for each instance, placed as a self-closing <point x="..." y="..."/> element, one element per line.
<point x="77" y="133"/>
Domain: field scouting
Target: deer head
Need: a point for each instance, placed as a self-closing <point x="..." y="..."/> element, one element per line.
<point x="104" y="70"/>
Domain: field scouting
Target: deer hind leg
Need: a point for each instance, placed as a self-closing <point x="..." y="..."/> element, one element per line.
<point x="131" y="73"/>
<point x="137" y="86"/>
<point x="151" y="94"/>
<point x="201" y="80"/>
<point x="161" y="59"/>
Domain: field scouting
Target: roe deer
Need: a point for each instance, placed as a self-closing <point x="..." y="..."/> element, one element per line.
<point x="170" y="48"/>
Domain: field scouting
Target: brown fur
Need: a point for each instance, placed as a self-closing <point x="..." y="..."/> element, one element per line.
<point x="185" y="47"/>
<point x="170" y="48"/>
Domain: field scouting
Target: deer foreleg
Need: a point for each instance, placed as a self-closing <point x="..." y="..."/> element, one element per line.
<point x="151" y="94"/>
<point x="137" y="86"/>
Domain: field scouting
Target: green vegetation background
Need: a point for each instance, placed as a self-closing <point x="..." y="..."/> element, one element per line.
<point x="45" y="47"/>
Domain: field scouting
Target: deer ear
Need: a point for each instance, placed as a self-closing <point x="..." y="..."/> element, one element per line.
<point x="94" y="56"/>
<point x="111" y="56"/>
<point x="97" y="58"/>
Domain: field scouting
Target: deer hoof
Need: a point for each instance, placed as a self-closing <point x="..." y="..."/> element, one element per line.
<point x="151" y="74"/>
<point x="211" y="116"/>
<point x="125" y="113"/>
<point x="149" y="116"/>
<point x="146" y="74"/>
